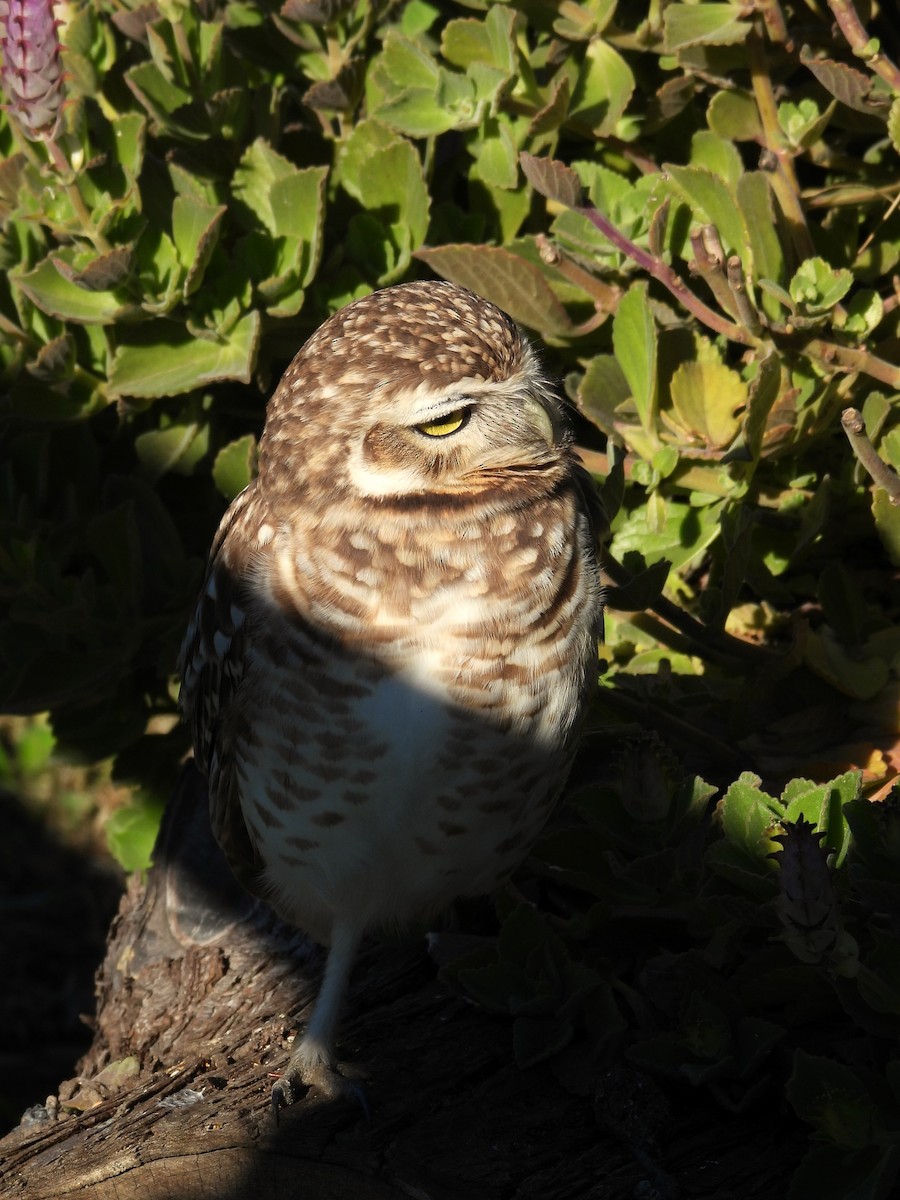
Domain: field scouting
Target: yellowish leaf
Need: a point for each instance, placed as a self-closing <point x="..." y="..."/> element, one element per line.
<point x="707" y="397"/>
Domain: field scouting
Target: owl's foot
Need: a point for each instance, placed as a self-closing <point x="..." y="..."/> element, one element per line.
<point x="321" y="1078"/>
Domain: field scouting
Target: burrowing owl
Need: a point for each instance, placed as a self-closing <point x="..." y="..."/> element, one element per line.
<point x="398" y="629"/>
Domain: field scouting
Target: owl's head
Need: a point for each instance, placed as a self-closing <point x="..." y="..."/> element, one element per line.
<point x="423" y="387"/>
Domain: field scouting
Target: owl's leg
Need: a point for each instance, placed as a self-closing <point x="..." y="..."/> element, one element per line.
<point x="312" y="1063"/>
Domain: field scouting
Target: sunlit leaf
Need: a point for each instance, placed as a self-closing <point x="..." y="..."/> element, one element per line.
<point x="707" y="398"/>
<point x="704" y="24"/>
<point x="173" y="364"/>
<point x="635" y="345"/>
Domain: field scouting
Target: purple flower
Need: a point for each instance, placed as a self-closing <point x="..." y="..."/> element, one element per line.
<point x="31" y="74"/>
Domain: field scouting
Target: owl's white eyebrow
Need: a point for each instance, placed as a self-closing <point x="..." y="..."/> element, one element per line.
<point x="447" y="405"/>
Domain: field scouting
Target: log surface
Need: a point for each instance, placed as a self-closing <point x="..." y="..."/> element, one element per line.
<point x="199" y="996"/>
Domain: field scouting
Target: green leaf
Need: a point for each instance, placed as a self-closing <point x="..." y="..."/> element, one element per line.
<point x="682" y="534"/>
<point x="418" y="113"/>
<point x="762" y="393"/>
<point x="832" y="1098"/>
<point x="407" y="63"/>
<point x="859" y="675"/>
<point x="297" y="202"/>
<point x="863" y="314"/>
<point x="845" y="83"/>
<point x="734" y="115"/>
<point x="468" y="41"/>
<point x="392" y="186"/>
<point x="755" y="201"/>
<point x="712" y="202"/>
<point x="817" y="286"/>
<point x="60" y="297"/>
<point x="383" y="172"/>
<point x="34" y="747"/>
<point x="235" y="466"/>
<point x="641" y="591"/>
<point x="283" y="198"/>
<point x="718" y="155"/>
<point x="553" y="180"/>
<point x="602" y="389"/>
<point x="603" y="88"/>
<point x="195" y="231"/>
<point x="159" y="94"/>
<point x="803" y="123"/>
<point x="171" y="364"/>
<point x="635" y="345"/>
<point x="417" y="17"/>
<point x="746" y="814"/>
<point x="131" y="833"/>
<point x="129" y="131"/>
<point x="177" y="448"/>
<point x="704" y="24"/>
<point x="496" y="157"/>
<point x="707" y="398"/>
<point x="412" y="94"/>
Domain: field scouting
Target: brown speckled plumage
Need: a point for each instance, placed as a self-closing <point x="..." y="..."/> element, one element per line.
<point x="398" y="629"/>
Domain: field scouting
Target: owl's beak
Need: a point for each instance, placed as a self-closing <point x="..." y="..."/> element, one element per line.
<point x="540" y="418"/>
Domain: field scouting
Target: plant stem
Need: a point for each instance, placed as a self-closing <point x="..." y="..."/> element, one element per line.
<point x="883" y="475"/>
<point x="66" y="176"/>
<point x="605" y="296"/>
<point x="854" y="360"/>
<point x="620" y="700"/>
<point x="747" y="314"/>
<point x="6" y="326"/>
<point x="858" y="38"/>
<point x="662" y="272"/>
<point x="784" y="177"/>
<point x="776" y="26"/>
<point x="712" y="644"/>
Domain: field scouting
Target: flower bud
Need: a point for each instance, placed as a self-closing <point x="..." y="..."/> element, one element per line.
<point x="31" y="74"/>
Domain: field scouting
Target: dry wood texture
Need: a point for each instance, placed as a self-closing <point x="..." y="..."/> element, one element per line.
<point x="198" y="997"/>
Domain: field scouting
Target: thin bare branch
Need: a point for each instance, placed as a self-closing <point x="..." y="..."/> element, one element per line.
<point x="883" y="476"/>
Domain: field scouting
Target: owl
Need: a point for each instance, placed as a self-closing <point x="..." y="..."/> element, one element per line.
<point x="397" y="633"/>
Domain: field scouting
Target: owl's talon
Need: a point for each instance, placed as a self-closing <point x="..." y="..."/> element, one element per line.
<point x="326" y="1081"/>
<point x="282" y="1097"/>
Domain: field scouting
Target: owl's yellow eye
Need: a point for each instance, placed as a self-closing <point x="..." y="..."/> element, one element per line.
<point x="451" y="422"/>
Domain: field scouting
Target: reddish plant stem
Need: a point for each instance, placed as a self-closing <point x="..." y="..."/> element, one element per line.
<point x="858" y="38"/>
<point x="662" y="272"/>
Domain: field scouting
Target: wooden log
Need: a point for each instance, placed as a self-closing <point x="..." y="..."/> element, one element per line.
<point x="198" y="999"/>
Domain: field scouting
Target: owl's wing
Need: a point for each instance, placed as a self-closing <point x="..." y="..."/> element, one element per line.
<point x="211" y="665"/>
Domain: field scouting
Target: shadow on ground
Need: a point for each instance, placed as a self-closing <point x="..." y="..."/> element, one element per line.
<point x="55" y="908"/>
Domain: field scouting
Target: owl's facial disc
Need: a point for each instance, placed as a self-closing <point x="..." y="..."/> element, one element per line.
<point x="443" y="439"/>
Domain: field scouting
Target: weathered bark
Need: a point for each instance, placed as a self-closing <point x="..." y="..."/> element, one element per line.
<point x="198" y="996"/>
